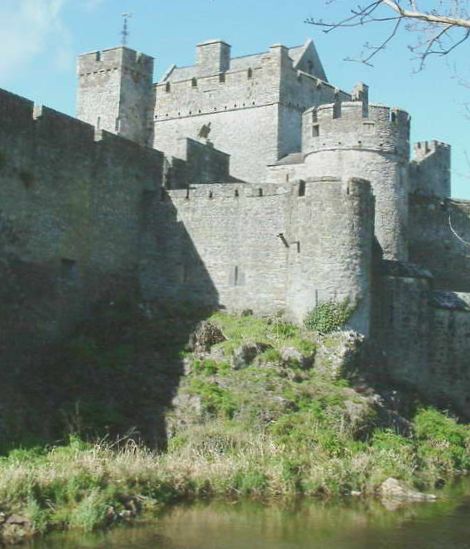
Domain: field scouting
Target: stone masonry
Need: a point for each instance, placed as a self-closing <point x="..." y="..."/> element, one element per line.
<point x="235" y="183"/>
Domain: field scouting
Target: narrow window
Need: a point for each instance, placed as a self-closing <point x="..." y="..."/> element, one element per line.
<point x="260" y="192"/>
<point x="98" y="122"/>
<point x="393" y="116"/>
<point x="235" y="276"/>
<point x="68" y="270"/>
<point x="168" y="87"/>
<point x="236" y="193"/>
<point x="211" y="194"/>
<point x="337" y="109"/>
<point x="98" y="56"/>
<point x="250" y="73"/>
<point x="315" y="130"/>
<point x="310" y="67"/>
<point x="185" y="273"/>
<point x="194" y="83"/>
<point x="222" y="78"/>
<point x="301" y="188"/>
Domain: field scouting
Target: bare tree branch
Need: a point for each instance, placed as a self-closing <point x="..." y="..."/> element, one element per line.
<point x="437" y="31"/>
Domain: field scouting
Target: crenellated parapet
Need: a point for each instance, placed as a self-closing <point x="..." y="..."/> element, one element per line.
<point x="430" y="169"/>
<point x="115" y="92"/>
<point x="102" y="63"/>
<point x="355" y="139"/>
<point x="39" y="137"/>
<point x="356" y="125"/>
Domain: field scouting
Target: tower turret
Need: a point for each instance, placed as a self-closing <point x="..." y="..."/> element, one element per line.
<point x="354" y="139"/>
<point x="430" y="169"/>
<point x="115" y="92"/>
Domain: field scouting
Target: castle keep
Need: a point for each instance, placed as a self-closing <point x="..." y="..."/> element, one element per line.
<point x="236" y="183"/>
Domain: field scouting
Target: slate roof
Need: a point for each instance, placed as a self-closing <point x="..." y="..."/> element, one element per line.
<point x="452" y="301"/>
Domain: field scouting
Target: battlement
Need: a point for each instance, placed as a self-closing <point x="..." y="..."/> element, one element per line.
<point x="430" y="169"/>
<point x="310" y="188"/>
<point x="422" y="149"/>
<point x="37" y="123"/>
<point x="356" y="124"/>
<point x="114" y="59"/>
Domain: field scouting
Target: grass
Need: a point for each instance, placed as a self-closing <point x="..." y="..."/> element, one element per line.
<point x="272" y="429"/>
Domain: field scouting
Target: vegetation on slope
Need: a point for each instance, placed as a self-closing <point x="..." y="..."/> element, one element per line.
<point x="263" y="413"/>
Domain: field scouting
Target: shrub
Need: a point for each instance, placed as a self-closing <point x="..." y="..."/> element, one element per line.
<point x="329" y="316"/>
<point x="442" y="441"/>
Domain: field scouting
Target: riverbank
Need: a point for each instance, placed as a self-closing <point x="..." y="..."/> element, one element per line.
<point x="265" y="410"/>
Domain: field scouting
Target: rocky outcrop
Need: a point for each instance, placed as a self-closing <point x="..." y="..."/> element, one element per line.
<point x="394" y="489"/>
<point x="339" y="354"/>
<point x="204" y="337"/>
<point x="14" y="529"/>
<point x="244" y="355"/>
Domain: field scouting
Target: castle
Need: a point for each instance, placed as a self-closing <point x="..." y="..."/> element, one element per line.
<point x="235" y="183"/>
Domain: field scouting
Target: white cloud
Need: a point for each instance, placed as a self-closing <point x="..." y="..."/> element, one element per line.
<point x="28" y="28"/>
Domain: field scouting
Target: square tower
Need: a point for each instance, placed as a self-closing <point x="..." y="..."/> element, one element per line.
<point x="115" y="92"/>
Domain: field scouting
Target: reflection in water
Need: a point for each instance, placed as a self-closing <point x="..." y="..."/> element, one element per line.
<point x="307" y="524"/>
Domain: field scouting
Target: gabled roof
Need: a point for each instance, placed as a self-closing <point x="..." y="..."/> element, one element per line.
<point x="245" y="62"/>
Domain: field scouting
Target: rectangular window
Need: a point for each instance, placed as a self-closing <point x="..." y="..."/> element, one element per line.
<point x="236" y="277"/>
<point x="315" y="130"/>
<point x="69" y="270"/>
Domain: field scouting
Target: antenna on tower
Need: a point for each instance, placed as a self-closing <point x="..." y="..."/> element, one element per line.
<point x="125" y="28"/>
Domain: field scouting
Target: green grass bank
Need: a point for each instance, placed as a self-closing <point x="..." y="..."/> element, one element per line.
<point x="270" y="410"/>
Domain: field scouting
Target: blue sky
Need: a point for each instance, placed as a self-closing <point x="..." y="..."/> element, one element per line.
<point x="41" y="39"/>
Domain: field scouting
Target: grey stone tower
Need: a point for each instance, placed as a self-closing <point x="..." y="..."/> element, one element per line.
<point x="115" y="92"/>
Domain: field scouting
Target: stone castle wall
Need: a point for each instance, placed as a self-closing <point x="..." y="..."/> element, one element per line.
<point x="252" y="247"/>
<point x="423" y="336"/>
<point x="70" y="219"/>
<point x="439" y="238"/>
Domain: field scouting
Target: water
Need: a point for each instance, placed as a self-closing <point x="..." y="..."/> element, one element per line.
<point x="306" y="524"/>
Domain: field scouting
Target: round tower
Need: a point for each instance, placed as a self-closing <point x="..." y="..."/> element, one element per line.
<point x="355" y="139"/>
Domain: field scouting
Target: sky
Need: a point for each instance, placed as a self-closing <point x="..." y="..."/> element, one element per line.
<point x="42" y="38"/>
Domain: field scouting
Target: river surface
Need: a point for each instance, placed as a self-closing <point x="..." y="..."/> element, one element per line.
<point x="354" y="524"/>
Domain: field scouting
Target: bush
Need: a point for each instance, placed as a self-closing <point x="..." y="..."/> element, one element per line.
<point x="329" y="316"/>
<point x="442" y="441"/>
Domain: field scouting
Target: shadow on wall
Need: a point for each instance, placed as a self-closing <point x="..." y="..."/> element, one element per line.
<point x="117" y="369"/>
